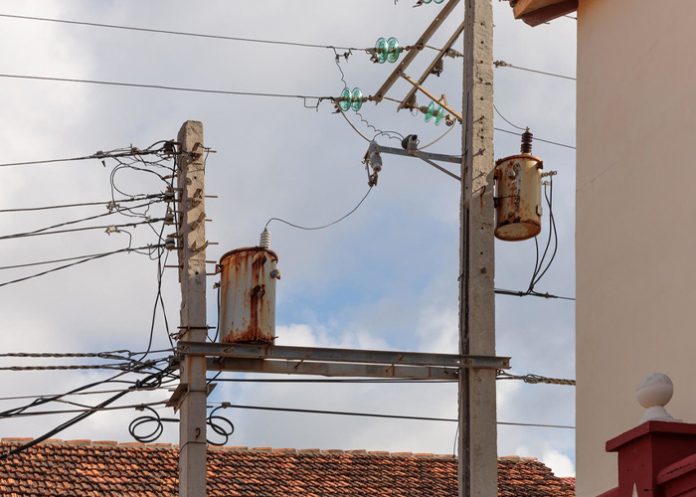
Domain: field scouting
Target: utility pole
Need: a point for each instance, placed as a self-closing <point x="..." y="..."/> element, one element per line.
<point x="194" y="325"/>
<point x="477" y="403"/>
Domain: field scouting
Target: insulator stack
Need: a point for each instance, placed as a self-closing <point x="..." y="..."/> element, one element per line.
<point x="265" y="241"/>
<point x="351" y="99"/>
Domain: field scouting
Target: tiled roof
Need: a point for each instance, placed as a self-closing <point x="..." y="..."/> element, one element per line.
<point x="107" y="469"/>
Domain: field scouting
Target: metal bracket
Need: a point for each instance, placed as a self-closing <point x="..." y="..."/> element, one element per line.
<point x="180" y="392"/>
<point x="424" y="156"/>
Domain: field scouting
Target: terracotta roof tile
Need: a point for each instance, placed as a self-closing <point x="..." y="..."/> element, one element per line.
<point x="104" y="469"/>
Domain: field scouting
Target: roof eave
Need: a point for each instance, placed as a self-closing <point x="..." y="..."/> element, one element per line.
<point x="535" y="12"/>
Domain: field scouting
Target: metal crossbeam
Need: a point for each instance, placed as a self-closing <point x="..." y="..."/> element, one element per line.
<point x="331" y="369"/>
<point x="441" y="54"/>
<point x="336" y="362"/>
<point x="454" y="159"/>
<point x="420" y="44"/>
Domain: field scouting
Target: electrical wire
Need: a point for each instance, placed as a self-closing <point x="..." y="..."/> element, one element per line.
<point x="334" y="380"/>
<point x="155" y="87"/>
<point x="540" y="270"/>
<point x="506" y="119"/>
<point x="66" y="266"/>
<point x="377" y="415"/>
<point x="74" y="411"/>
<point x="450" y="53"/>
<point x="98" y="155"/>
<point x="449" y="128"/>
<point x="535" y="379"/>
<point x="180" y="33"/>
<point x="55" y="261"/>
<point x="525" y="293"/>
<point x="81" y="204"/>
<point x="47" y="399"/>
<point x="502" y="63"/>
<point x="44" y="231"/>
<point x="125" y="366"/>
<point x="94" y="392"/>
<point x="536" y="138"/>
<point x="323" y="226"/>
<point x="90" y="218"/>
<point x="153" y="379"/>
<point x="161" y="265"/>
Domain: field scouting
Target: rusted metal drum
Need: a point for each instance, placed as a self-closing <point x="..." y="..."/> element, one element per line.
<point x="247" y="295"/>
<point x="518" y="197"/>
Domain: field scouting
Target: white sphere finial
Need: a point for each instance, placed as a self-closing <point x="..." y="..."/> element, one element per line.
<point x="654" y="393"/>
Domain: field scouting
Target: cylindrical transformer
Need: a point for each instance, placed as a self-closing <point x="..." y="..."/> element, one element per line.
<point x="247" y="295"/>
<point x="518" y="197"/>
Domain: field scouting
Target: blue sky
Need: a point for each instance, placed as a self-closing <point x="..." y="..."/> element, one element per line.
<point x="384" y="278"/>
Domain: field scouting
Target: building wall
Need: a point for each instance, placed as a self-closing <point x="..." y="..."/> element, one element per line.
<point x="636" y="218"/>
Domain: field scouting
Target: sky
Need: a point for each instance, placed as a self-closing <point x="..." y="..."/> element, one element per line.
<point x="385" y="278"/>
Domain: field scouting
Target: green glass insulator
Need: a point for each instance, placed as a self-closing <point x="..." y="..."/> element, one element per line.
<point x="430" y="112"/>
<point x="381" y="48"/>
<point x="346" y="100"/>
<point x="427" y="1"/>
<point x="439" y="1"/>
<point x="439" y="116"/>
<point x="357" y="98"/>
<point x="393" y="50"/>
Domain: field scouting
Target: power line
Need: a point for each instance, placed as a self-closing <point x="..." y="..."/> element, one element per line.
<point x="527" y="293"/>
<point x="43" y="231"/>
<point x="81" y="261"/>
<point x="377" y="415"/>
<point x="55" y="261"/>
<point x="535" y="379"/>
<point x="305" y="98"/>
<point x="125" y="366"/>
<point x="122" y="354"/>
<point x="502" y="63"/>
<point x="495" y="107"/>
<point x="73" y="411"/>
<point x="332" y="380"/>
<point x="154" y="379"/>
<point x="98" y="155"/>
<point x="81" y="204"/>
<point x="536" y="138"/>
<point x="323" y="226"/>
<point x="180" y="33"/>
<point x="93" y="392"/>
<point x="159" y="87"/>
<point x="111" y="212"/>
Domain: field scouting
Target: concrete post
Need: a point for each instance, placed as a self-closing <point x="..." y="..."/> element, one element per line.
<point x="477" y="403"/>
<point x="192" y="276"/>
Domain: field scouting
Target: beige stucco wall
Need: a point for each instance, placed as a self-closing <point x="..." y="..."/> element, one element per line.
<point x="636" y="217"/>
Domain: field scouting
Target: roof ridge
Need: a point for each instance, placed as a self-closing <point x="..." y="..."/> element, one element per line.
<point x="232" y="448"/>
<point x="272" y="450"/>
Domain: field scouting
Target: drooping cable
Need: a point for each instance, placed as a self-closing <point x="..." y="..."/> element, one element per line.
<point x="150" y="380"/>
<point x="323" y="226"/>
<point x="72" y="264"/>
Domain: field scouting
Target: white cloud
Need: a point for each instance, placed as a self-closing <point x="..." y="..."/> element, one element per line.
<point x="561" y="464"/>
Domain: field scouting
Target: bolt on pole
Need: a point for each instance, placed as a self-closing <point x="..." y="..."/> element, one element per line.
<point x="192" y="277"/>
<point x="477" y="468"/>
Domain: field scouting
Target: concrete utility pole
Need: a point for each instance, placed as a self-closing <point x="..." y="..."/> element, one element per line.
<point x="194" y="325"/>
<point x="477" y="406"/>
